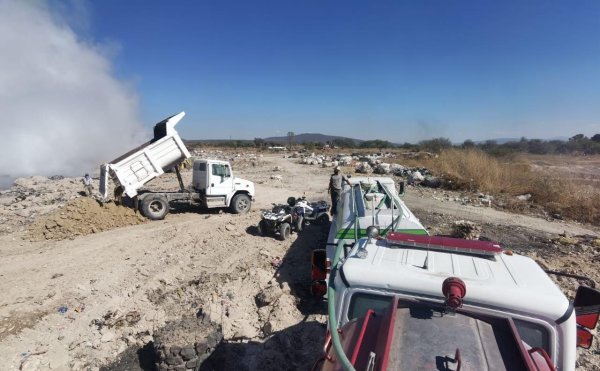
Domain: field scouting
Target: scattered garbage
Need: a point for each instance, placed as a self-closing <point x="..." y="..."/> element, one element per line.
<point x="415" y="176"/>
<point x="63" y="309"/>
<point x="133" y="317"/>
<point x="466" y="229"/>
<point x="382" y="168"/>
<point x="431" y="182"/>
<point x="525" y="197"/>
<point x="276" y="262"/>
<point x="364" y="168"/>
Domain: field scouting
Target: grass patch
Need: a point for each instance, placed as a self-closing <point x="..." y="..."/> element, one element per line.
<point x="475" y="170"/>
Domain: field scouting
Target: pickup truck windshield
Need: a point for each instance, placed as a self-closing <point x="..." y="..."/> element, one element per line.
<point x="473" y="332"/>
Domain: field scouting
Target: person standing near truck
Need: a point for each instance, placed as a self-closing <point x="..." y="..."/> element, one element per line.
<point x="88" y="184"/>
<point x="335" y="187"/>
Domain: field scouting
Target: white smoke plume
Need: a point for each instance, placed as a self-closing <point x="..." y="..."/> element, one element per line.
<point x="61" y="109"/>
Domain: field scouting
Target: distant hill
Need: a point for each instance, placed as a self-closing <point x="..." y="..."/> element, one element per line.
<point x="309" y="137"/>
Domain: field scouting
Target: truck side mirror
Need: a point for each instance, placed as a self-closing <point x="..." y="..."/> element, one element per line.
<point x="401" y="189"/>
<point x="587" y="306"/>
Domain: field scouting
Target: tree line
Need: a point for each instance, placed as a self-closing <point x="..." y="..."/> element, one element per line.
<point x="577" y="144"/>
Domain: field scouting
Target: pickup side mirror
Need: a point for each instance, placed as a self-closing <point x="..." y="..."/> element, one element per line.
<point x="587" y="311"/>
<point x="401" y="189"/>
<point x="587" y="306"/>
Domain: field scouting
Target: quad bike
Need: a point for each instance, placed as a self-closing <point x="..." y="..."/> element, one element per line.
<point x="309" y="212"/>
<point x="279" y="221"/>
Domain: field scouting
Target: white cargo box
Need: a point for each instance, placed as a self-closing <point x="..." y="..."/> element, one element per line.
<point x="148" y="161"/>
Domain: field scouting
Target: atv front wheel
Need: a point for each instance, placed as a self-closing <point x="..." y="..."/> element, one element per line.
<point x="284" y="231"/>
<point x="322" y="219"/>
<point x="299" y="223"/>
<point x="263" y="228"/>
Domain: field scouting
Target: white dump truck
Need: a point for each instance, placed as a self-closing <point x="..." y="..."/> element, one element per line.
<point x="213" y="182"/>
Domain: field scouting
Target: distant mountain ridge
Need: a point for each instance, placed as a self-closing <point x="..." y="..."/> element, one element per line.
<point x="310" y="137"/>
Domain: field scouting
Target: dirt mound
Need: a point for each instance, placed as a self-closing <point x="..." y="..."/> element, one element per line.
<point x="81" y="217"/>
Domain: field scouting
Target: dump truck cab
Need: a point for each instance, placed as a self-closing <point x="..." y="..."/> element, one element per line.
<point x="215" y="179"/>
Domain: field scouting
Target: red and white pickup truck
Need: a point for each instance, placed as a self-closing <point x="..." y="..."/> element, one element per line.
<point x="418" y="302"/>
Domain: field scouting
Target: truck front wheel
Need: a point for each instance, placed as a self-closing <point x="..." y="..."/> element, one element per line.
<point x="240" y="204"/>
<point x="155" y="207"/>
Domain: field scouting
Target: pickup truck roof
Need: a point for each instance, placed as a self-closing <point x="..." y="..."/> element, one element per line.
<point x="511" y="282"/>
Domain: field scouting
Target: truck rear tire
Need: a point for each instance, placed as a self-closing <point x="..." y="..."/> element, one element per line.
<point x="240" y="204"/>
<point x="155" y="207"/>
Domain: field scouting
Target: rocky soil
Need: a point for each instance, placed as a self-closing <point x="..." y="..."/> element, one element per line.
<point x="87" y="286"/>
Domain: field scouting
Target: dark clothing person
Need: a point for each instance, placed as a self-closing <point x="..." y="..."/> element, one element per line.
<point x="335" y="188"/>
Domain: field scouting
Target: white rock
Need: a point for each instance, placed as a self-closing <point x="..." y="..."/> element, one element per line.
<point x="345" y="160"/>
<point x="107" y="337"/>
<point x="417" y="176"/>
<point x="23" y="213"/>
<point x="364" y="168"/>
<point x="382" y="168"/>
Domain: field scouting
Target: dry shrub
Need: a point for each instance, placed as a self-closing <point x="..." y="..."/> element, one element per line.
<point x="475" y="170"/>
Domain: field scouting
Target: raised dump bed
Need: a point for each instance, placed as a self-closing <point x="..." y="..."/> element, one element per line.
<point x="142" y="164"/>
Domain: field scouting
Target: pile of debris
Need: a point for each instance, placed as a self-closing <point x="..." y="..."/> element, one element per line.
<point x="341" y="159"/>
<point x="80" y="217"/>
<point x="372" y="164"/>
<point x="31" y="197"/>
<point x="239" y="323"/>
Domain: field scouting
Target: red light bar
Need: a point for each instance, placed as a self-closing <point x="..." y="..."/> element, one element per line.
<point x="444" y="243"/>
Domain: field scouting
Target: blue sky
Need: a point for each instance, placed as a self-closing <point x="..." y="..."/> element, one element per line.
<point x="396" y="70"/>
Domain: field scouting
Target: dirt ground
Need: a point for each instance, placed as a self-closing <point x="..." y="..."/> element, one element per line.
<point x="87" y="286"/>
